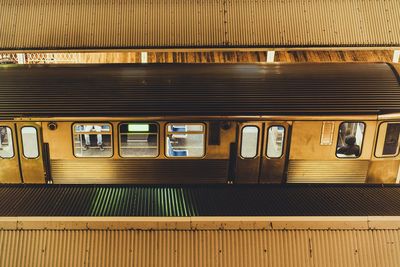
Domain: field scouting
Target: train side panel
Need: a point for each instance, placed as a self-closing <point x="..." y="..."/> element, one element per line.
<point x="68" y="168"/>
<point x="313" y="154"/>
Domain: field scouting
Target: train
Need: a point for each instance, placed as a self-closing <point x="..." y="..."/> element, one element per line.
<point x="199" y="123"/>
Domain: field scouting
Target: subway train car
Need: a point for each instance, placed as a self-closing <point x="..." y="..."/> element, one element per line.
<point x="199" y="123"/>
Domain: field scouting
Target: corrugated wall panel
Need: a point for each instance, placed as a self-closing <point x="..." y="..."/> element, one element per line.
<point x="286" y="248"/>
<point x="139" y="171"/>
<point x="200" y="248"/>
<point x="388" y="246"/>
<point x="307" y="171"/>
<point x="311" y="23"/>
<point x="334" y="248"/>
<point x="92" y="24"/>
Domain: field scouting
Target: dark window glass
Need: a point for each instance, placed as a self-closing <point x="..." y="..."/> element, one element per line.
<point x="390" y="146"/>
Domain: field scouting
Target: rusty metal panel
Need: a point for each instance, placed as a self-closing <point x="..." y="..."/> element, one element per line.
<point x="388" y="245"/>
<point x="91" y="24"/>
<point x="356" y="248"/>
<point x="110" y="24"/>
<point x="200" y="248"/>
<point x="287" y="248"/>
<point x="334" y="248"/>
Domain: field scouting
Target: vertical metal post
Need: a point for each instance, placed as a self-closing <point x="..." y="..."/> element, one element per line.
<point x="270" y="56"/>
<point x="21" y="58"/>
<point x="396" y="56"/>
<point x="143" y="57"/>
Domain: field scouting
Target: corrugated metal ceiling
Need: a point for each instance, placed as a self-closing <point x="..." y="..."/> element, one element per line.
<point x="122" y="24"/>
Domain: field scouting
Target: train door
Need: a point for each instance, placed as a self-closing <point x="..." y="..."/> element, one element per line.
<point x="261" y="153"/>
<point x="9" y="161"/>
<point x="274" y="152"/>
<point x="249" y="151"/>
<point x="30" y="152"/>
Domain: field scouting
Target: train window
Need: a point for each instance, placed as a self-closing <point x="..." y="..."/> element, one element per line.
<point x="249" y="145"/>
<point x="30" y="145"/>
<point x="6" y="143"/>
<point x="185" y="140"/>
<point x="92" y="140"/>
<point x="276" y="137"/>
<point x="138" y="139"/>
<point x="327" y="133"/>
<point x="350" y="139"/>
<point x="389" y="136"/>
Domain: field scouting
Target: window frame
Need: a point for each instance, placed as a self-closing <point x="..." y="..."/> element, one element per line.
<point x="257" y="145"/>
<point x="37" y="140"/>
<point x="283" y="145"/>
<point x="12" y="142"/>
<point x="362" y="141"/>
<point x="204" y="132"/>
<point x="376" y="143"/>
<point x="91" y="123"/>
<point x="139" y="122"/>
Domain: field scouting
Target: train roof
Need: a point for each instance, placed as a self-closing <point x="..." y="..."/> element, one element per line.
<point x="198" y="89"/>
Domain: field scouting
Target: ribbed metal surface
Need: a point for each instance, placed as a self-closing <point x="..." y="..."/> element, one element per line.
<point x="56" y="24"/>
<point x="139" y="171"/>
<point x="313" y="23"/>
<point x="200" y="248"/>
<point x="310" y="171"/>
<point x="217" y="200"/>
<point x="194" y="89"/>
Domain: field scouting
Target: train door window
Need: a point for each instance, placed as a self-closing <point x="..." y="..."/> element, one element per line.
<point x="138" y="139"/>
<point x="350" y="139"/>
<point x="327" y="133"/>
<point x="276" y="138"/>
<point x="6" y="143"/>
<point x="249" y="144"/>
<point x="185" y="140"/>
<point x="389" y="132"/>
<point x="30" y="143"/>
<point x="92" y="140"/>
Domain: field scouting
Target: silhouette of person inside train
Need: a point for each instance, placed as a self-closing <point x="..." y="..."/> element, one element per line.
<point x="350" y="148"/>
<point x="93" y="128"/>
